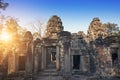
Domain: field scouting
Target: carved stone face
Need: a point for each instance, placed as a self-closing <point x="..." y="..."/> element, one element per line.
<point x="54" y="26"/>
<point x="51" y="29"/>
<point x="97" y="24"/>
<point x="59" y="29"/>
<point x="95" y="29"/>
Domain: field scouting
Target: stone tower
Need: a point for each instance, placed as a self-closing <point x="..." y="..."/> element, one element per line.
<point x="54" y="26"/>
<point x="96" y="29"/>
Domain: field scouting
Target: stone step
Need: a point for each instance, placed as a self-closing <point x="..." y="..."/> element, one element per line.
<point x="49" y="78"/>
<point x="51" y="66"/>
<point x="49" y="72"/>
<point x="15" y="78"/>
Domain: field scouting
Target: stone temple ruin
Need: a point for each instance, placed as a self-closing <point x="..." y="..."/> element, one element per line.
<point x="61" y="53"/>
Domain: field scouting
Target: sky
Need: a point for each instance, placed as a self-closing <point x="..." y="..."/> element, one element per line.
<point x="76" y="15"/>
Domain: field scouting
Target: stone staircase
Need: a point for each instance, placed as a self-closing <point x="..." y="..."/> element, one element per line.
<point x="50" y="71"/>
<point x="52" y="65"/>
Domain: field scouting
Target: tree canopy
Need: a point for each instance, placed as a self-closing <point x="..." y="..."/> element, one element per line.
<point x="3" y="5"/>
<point x="112" y="28"/>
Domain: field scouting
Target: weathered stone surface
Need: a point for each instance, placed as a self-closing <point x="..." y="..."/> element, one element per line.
<point x="95" y="29"/>
<point x="54" y="26"/>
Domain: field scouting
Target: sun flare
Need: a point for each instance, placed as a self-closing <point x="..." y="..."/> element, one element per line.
<point x="5" y="36"/>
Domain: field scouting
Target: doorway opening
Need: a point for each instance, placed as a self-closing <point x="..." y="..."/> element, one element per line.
<point x="76" y="61"/>
<point x="114" y="59"/>
<point x="53" y="56"/>
<point x="21" y="63"/>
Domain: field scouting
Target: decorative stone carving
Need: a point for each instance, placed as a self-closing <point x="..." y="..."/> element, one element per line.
<point x="54" y="26"/>
<point x="96" y="28"/>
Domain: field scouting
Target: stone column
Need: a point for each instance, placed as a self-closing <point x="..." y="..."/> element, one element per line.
<point x="42" y="50"/>
<point x="16" y="61"/>
<point x="43" y="58"/>
<point x="119" y="55"/>
<point x="87" y="63"/>
<point x="57" y="57"/>
<point x="108" y="57"/>
<point x="64" y="38"/>
<point x="119" y="59"/>
<point x="29" y="59"/>
<point x="40" y="58"/>
<point x="82" y="68"/>
<point x="67" y="67"/>
<point x="36" y="57"/>
<point x="61" y="60"/>
<point x="11" y="62"/>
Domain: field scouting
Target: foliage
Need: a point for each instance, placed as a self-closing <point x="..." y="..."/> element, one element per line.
<point x="112" y="28"/>
<point x="36" y="35"/>
<point x="3" y="5"/>
<point x="37" y="26"/>
<point x="10" y="26"/>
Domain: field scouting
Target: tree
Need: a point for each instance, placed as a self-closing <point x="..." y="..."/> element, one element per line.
<point x="2" y="21"/>
<point x="21" y="31"/>
<point x="3" y="5"/>
<point x="36" y="35"/>
<point x="112" y="28"/>
<point x="12" y="25"/>
<point x="37" y="27"/>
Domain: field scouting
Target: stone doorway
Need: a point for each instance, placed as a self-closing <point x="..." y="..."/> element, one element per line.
<point x="114" y="56"/>
<point x="51" y="57"/>
<point x="76" y="61"/>
<point x="114" y="59"/>
<point x="21" y="63"/>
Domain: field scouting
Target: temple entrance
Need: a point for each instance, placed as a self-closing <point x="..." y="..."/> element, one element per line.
<point x="114" y="55"/>
<point x="51" y="57"/>
<point x="21" y="63"/>
<point x="114" y="59"/>
<point x="76" y="61"/>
